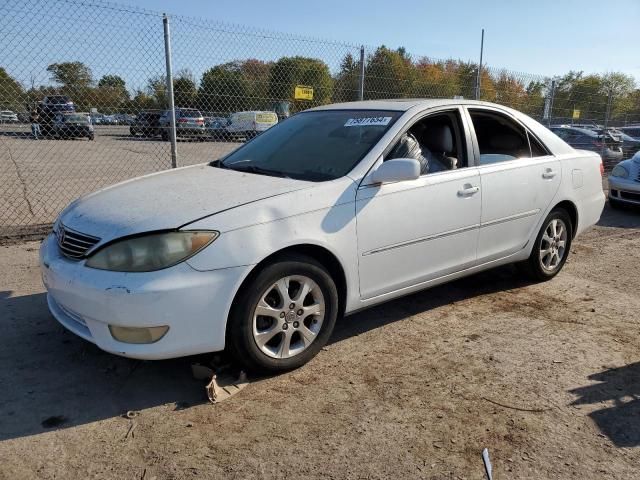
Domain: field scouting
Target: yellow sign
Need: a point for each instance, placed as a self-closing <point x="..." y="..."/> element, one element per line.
<point x="576" y="114"/>
<point x="303" y="93"/>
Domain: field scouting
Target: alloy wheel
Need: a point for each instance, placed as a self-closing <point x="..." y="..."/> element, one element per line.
<point x="553" y="245"/>
<point x="288" y="316"/>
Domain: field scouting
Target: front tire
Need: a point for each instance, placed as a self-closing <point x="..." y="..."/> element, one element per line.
<point x="551" y="248"/>
<point x="284" y="315"/>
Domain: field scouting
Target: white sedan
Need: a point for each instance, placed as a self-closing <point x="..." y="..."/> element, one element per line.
<point x="334" y="210"/>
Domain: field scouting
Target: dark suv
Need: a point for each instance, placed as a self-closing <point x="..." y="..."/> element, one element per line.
<point x="146" y="124"/>
<point x="49" y="108"/>
<point x="189" y="123"/>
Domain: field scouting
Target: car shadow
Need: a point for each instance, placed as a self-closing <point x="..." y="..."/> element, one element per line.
<point x="620" y="419"/>
<point x="627" y="217"/>
<point x="52" y="379"/>
<point x="483" y="283"/>
<point x="55" y="380"/>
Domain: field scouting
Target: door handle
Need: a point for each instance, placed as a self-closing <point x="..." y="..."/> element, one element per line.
<point x="468" y="190"/>
<point x="548" y="173"/>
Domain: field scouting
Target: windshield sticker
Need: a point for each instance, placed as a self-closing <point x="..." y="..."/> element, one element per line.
<point x="367" y="121"/>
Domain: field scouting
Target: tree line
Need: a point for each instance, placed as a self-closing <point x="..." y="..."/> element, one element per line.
<point x="254" y="84"/>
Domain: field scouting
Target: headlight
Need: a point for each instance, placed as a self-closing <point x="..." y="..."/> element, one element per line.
<point x="620" y="171"/>
<point x="150" y="252"/>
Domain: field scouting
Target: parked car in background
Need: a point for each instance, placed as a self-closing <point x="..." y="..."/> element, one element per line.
<point x="250" y="124"/>
<point x="146" y="124"/>
<point x="49" y="108"/>
<point x="607" y="145"/>
<point x="334" y="210"/>
<point x="624" y="183"/>
<point x="189" y="123"/>
<point x="73" y="125"/>
<point x="631" y="130"/>
<point x="630" y="145"/>
<point x="110" y="120"/>
<point x="125" y="119"/>
<point x="217" y="127"/>
<point x="8" y="116"/>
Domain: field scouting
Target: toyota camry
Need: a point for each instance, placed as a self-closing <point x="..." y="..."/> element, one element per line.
<point x="338" y="208"/>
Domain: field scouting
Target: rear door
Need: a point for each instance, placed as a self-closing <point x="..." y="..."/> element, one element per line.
<point x="519" y="179"/>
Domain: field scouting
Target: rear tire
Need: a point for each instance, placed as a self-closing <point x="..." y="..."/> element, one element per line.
<point x="551" y="247"/>
<point x="265" y="333"/>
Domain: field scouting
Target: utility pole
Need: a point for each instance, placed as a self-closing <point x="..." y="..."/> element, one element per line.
<point x="478" y="83"/>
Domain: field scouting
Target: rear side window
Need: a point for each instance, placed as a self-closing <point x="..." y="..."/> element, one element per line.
<point x="500" y="139"/>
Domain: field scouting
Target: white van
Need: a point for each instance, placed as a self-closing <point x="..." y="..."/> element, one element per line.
<point x="250" y="124"/>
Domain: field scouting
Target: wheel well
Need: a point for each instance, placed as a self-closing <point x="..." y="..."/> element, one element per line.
<point x="572" y="211"/>
<point x="327" y="259"/>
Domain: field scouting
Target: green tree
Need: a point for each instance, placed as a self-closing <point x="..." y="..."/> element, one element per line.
<point x="347" y="82"/>
<point x="185" y="91"/>
<point x="11" y="92"/>
<point x="71" y="75"/>
<point x="224" y="89"/>
<point x="111" y="95"/>
<point x="288" y="72"/>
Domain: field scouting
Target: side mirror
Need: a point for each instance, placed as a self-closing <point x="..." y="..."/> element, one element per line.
<point x="396" y="170"/>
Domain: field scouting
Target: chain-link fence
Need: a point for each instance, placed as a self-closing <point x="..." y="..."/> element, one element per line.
<point x="88" y="91"/>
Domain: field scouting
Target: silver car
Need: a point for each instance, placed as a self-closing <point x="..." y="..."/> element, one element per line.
<point x="624" y="183"/>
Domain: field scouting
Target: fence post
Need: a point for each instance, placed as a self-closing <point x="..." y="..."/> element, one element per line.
<point x="552" y="94"/>
<point x="172" y="107"/>
<point x="361" y="85"/>
<point x="606" y="119"/>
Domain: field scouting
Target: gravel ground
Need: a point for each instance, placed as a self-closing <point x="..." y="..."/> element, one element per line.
<point x="546" y="376"/>
<point x="40" y="178"/>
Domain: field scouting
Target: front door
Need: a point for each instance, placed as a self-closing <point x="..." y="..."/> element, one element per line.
<point x="414" y="231"/>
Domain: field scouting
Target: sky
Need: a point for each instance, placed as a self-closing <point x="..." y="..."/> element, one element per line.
<point x="546" y="37"/>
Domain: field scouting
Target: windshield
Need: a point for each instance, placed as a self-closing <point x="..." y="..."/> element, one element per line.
<point x="76" y="119"/>
<point x="315" y="146"/>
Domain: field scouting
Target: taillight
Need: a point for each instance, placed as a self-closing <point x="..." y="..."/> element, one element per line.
<point x="601" y="168"/>
<point x="183" y="120"/>
<point x="199" y="122"/>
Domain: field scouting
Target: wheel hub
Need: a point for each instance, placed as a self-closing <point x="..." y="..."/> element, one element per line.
<point x="290" y="316"/>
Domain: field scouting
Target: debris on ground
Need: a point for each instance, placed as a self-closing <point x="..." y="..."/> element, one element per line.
<point x="488" y="469"/>
<point x="130" y="433"/>
<point x="131" y="414"/>
<point x="225" y="385"/>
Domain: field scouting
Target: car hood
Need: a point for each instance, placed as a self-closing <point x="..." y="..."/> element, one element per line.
<point x="170" y="199"/>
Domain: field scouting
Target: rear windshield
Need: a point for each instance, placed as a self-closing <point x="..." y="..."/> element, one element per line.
<point x="189" y="113"/>
<point x="316" y="146"/>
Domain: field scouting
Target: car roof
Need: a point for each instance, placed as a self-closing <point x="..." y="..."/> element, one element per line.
<point x="403" y="104"/>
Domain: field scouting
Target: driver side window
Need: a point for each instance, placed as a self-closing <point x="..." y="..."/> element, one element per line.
<point x="435" y="141"/>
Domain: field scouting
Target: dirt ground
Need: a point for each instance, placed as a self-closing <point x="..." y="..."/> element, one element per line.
<point x="546" y="376"/>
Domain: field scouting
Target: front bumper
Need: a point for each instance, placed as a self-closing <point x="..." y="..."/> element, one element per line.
<point x="624" y="190"/>
<point x="194" y="304"/>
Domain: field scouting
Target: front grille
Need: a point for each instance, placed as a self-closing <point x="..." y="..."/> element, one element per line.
<point x="630" y="196"/>
<point x="74" y="244"/>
